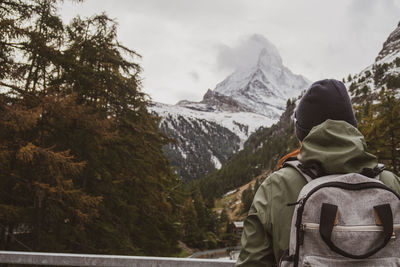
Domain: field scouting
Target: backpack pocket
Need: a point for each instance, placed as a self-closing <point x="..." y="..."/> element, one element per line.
<point x="317" y="261"/>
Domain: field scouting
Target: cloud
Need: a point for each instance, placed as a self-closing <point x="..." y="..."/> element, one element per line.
<point x="245" y="53"/>
<point x="370" y="16"/>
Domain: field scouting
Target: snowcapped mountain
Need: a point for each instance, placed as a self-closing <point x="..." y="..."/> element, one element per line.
<point x="208" y="132"/>
<point x="265" y="87"/>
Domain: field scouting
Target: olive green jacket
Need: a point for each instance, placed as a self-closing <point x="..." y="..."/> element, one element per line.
<point x="339" y="148"/>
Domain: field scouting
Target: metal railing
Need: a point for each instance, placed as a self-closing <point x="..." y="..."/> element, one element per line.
<point x="63" y="259"/>
<point x="228" y="251"/>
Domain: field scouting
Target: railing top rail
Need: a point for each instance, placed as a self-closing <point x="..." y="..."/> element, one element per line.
<point x="66" y="259"/>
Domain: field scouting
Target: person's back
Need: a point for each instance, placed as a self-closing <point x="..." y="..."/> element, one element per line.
<point x="334" y="146"/>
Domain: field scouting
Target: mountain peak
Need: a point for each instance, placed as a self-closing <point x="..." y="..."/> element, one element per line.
<point x="264" y="85"/>
<point x="269" y="57"/>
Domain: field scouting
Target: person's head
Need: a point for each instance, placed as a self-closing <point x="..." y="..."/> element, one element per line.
<point x="323" y="100"/>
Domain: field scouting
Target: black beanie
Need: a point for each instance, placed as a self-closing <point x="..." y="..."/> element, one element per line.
<point x="325" y="99"/>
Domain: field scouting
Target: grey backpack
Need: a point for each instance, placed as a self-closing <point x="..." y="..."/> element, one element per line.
<point x="344" y="220"/>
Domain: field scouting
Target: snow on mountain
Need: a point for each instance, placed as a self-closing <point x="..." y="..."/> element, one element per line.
<point x="204" y="139"/>
<point x="265" y="86"/>
<point x="242" y="124"/>
<point x="207" y="133"/>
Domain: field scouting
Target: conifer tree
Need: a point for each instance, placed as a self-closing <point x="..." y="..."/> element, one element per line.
<point x="191" y="234"/>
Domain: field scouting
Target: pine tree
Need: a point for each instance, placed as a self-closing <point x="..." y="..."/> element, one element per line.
<point x="191" y="234"/>
<point x="132" y="167"/>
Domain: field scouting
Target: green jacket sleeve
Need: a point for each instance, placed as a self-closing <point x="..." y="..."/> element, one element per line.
<point x="256" y="240"/>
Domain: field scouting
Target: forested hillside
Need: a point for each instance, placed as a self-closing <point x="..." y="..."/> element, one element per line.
<point x="261" y="153"/>
<point x="379" y="112"/>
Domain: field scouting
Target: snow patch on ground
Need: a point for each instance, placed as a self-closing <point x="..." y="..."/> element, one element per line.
<point x="389" y="58"/>
<point x="216" y="162"/>
<point x="230" y="192"/>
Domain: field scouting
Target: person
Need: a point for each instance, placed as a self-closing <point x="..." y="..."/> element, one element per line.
<point x="327" y="130"/>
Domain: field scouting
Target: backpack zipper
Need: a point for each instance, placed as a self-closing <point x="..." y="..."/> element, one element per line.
<point x="353" y="228"/>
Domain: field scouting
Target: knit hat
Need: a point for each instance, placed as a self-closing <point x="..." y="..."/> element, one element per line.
<point x="325" y="99"/>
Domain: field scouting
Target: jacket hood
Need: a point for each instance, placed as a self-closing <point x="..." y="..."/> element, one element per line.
<point x="338" y="147"/>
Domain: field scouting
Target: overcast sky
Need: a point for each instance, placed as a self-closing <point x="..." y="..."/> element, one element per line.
<point x="188" y="46"/>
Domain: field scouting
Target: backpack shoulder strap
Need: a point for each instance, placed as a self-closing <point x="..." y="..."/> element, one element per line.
<point x="297" y="165"/>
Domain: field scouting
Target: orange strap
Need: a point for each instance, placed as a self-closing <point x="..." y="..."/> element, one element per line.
<point x="282" y="160"/>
